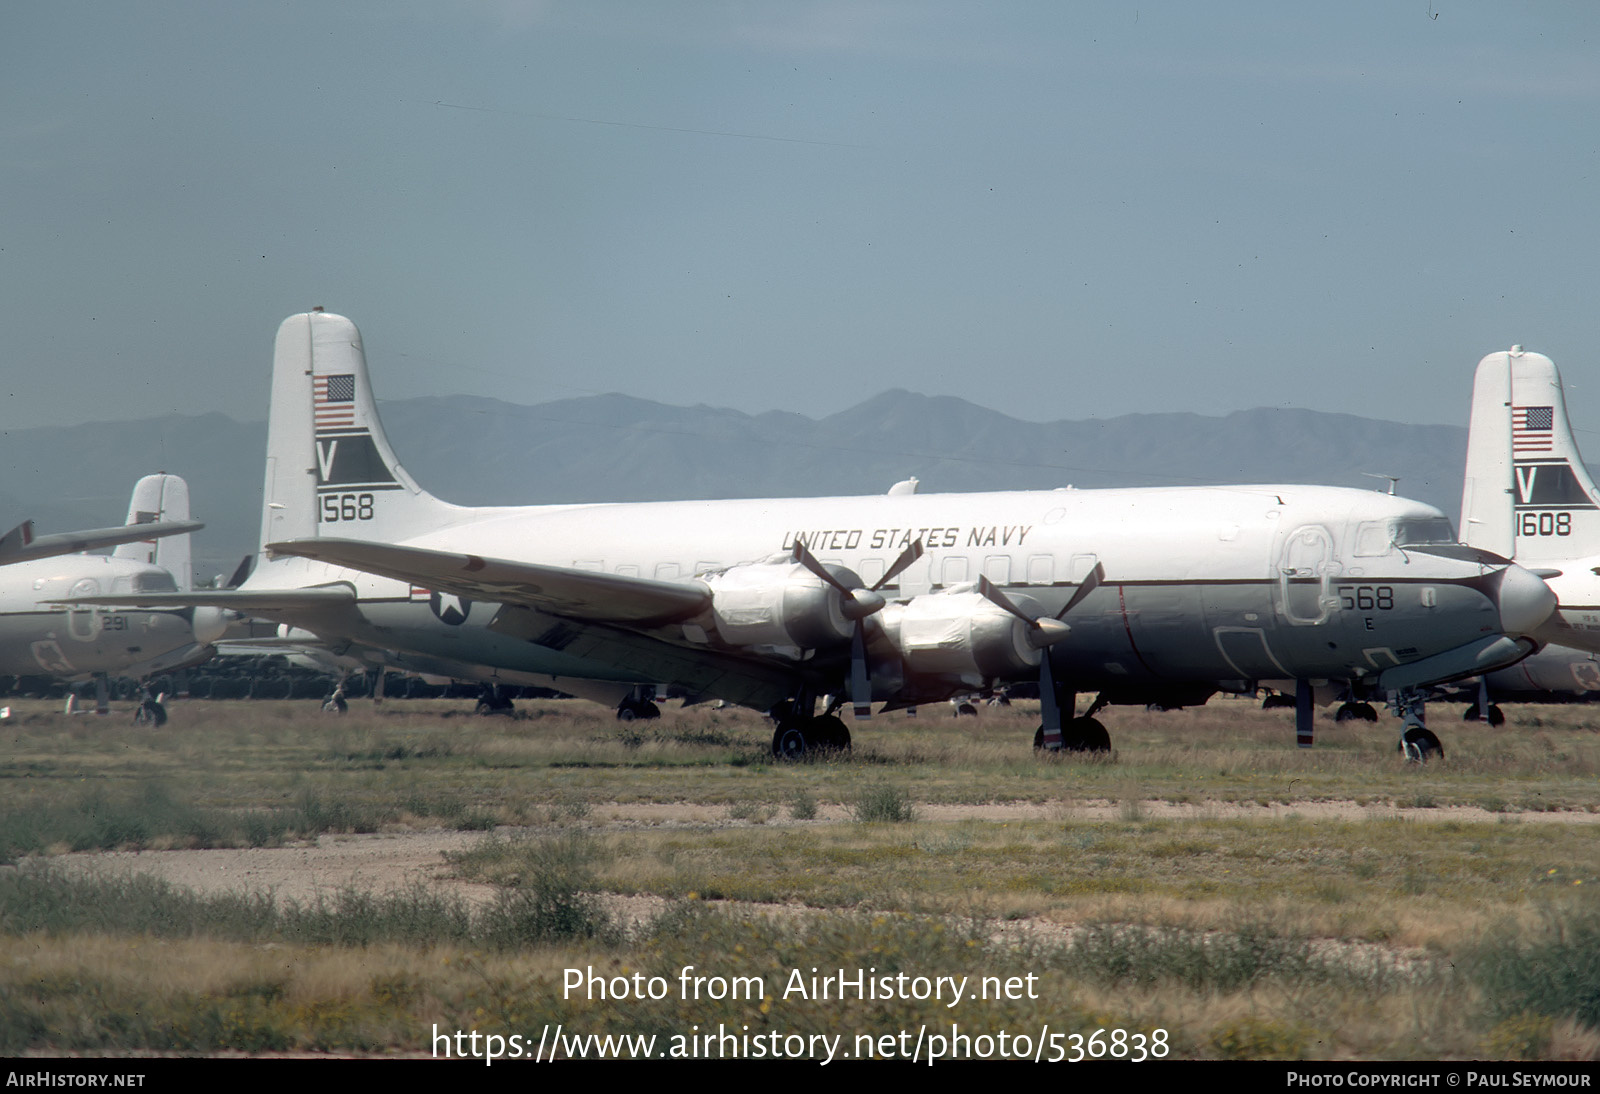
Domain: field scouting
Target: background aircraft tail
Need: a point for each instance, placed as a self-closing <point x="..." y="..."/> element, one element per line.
<point x="161" y="498"/>
<point x="1527" y="493"/>
<point x="330" y="469"/>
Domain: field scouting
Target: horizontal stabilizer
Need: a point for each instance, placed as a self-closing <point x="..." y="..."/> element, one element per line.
<point x="19" y="545"/>
<point x="582" y="594"/>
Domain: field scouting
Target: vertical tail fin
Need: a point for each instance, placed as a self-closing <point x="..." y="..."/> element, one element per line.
<point x="330" y="469"/>
<point x="161" y="498"/>
<point x="1527" y="493"/>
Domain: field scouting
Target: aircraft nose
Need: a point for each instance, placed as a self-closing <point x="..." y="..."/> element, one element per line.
<point x="209" y="624"/>
<point x="1524" y="600"/>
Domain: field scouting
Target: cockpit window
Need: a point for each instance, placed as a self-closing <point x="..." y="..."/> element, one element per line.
<point x="1430" y="530"/>
<point x="1375" y="538"/>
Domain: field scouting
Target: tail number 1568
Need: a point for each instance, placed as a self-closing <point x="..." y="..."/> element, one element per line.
<point x="346" y="507"/>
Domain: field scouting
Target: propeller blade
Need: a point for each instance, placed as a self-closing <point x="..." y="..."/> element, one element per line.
<point x="860" y="682"/>
<point x="1089" y="585"/>
<point x="809" y="561"/>
<point x="1049" y="708"/>
<point x="999" y="599"/>
<point x="1042" y="632"/>
<point x="907" y="557"/>
<point x="857" y="603"/>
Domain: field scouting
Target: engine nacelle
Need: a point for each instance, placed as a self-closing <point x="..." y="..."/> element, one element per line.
<point x="962" y="633"/>
<point x="779" y="604"/>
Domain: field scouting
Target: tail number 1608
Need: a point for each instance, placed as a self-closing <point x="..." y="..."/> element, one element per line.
<point x="1544" y="524"/>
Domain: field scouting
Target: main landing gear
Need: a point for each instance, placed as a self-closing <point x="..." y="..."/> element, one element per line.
<point x="1082" y="734"/>
<point x="1355" y="712"/>
<point x="640" y="703"/>
<point x="491" y="700"/>
<point x="799" y="733"/>
<point x="151" y="712"/>
<point x="1078" y="735"/>
<point x="1483" y="710"/>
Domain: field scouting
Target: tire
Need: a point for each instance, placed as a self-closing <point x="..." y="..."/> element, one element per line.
<point x="335" y="705"/>
<point x="1420" y="744"/>
<point x="1086" y="735"/>
<point x="789" y="742"/>
<point x="829" y="733"/>
<point x="966" y="710"/>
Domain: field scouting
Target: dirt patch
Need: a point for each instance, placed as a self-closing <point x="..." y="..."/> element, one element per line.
<point x="390" y="861"/>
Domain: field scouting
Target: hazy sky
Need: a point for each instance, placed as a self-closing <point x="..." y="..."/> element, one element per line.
<point x="1061" y="210"/>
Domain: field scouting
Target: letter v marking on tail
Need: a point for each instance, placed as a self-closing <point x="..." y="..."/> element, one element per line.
<point x="325" y="458"/>
<point x="1524" y="482"/>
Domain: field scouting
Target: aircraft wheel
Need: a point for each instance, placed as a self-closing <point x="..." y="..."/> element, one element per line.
<point x="790" y="742"/>
<point x="1277" y="702"/>
<point x="1497" y="716"/>
<point x="150" y="713"/>
<point x="1420" y="745"/>
<point x="828" y="732"/>
<point x="1355" y="712"/>
<point x="1000" y="701"/>
<point x="335" y="705"/>
<point x="1086" y="735"/>
<point x="966" y="710"/>
<point x="637" y="708"/>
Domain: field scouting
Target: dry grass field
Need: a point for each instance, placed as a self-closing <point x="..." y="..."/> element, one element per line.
<point x="1207" y="880"/>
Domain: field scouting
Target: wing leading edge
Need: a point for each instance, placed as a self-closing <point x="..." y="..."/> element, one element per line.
<point x="557" y="590"/>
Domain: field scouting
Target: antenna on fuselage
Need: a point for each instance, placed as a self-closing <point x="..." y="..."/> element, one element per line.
<point x="1393" y="479"/>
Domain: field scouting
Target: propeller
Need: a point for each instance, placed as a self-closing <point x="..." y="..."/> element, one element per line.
<point x="1042" y="633"/>
<point x="856" y="605"/>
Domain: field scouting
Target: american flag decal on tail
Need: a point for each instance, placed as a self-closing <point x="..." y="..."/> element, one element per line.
<point x="333" y="401"/>
<point x="1532" y="429"/>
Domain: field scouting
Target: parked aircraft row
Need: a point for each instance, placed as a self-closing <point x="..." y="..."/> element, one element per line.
<point x="37" y="635"/>
<point x="799" y="606"/>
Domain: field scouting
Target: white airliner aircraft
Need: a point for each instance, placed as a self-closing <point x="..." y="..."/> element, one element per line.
<point x="40" y="637"/>
<point x="1146" y="595"/>
<point x="1528" y="495"/>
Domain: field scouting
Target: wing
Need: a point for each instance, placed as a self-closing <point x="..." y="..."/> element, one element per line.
<point x="248" y="601"/>
<point x="607" y="618"/>
<point x="21" y="545"/>
<point x="556" y="590"/>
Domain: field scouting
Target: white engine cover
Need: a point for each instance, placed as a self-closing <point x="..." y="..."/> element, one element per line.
<point x="962" y="633"/>
<point x="779" y="604"/>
